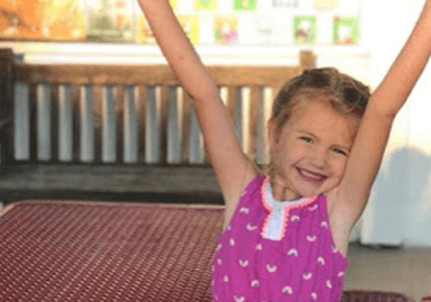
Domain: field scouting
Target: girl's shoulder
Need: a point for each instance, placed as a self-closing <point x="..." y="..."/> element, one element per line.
<point x="251" y="185"/>
<point x="253" y="189"/>
<point x="255" y="183"/>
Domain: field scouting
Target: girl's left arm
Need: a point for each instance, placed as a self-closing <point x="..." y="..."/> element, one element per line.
<point x="370" y="142"/>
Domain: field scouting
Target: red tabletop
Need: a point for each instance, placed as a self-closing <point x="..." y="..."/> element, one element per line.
<point x="96" y="252"/>
<point x="77" y="251"/>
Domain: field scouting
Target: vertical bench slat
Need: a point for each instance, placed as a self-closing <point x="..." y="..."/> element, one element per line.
<point x="243" y="116"/>
<point x="239" y="116"/>
<point x="260" y="126"/>
<point x="54" y="104"/>
<point x="76" y="94"/>
<point x="143" y="125"/>
<point x="163" y="100"/>
<point x="253" y="107"/>
<point x="142" y="121"/>
<point x="87" y="124"/>
<point x="98" y="117"/>
<point x="43" y="122"/>
<point x="33" y="144"/>
<point x="173" y="127"/>
<point x="195" y="140"/>
<point x="268" y="96"/>
<point x="109" y="120"/>
<point x="186" y="107"/>
<point x="21" y="117"/>
<point x="119" y="114"/>
<point x="152" y="131"/>
<point x="130" y="124"/>
<point x="65" y="123"/>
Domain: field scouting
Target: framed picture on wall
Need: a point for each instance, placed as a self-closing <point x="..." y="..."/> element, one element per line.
<point x="304" y="29"/>
<point x="205" y="22"/>
<point x="245" y="4"/>
<point x="110" y="20"/>
<point x="144" y="34"/>
<point x="345" y="30"/>
<point x="42" y="20"/>
<point x="226" y="29"/>
<point x="190" y="25"/>
<point x="205" y="4"/>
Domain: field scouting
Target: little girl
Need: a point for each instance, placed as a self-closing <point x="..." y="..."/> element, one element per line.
<point x="286" y="233"/>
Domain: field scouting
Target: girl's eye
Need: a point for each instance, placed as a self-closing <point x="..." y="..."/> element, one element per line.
<point x="340" y="151"/>
<point x="306" y="139"/>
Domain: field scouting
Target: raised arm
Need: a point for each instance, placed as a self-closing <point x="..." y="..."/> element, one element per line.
<point x="385" y="102"/>
<point x="231" y="165"/>
<point x="177" y="49"/>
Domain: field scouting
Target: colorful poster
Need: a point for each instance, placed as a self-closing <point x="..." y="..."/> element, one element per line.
<point x="226" y="29"/>
<point x="205" y="4"/>
<point x="345" y="30"/>
<point x="42" y="19"/>
<point x="110" y="20"/>
<point x="304" y="29"/>
<point x="190" y="24"/>
<point x="245" y="4"/>
<point x="144" y="34"/>
<point x="325" y="3"/>
<point x="285" y="3"/>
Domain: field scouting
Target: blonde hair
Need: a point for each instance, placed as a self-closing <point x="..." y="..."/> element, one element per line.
<point x="343" y="92"/>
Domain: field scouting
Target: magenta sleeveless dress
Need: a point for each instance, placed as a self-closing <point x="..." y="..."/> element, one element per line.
<point x="277" y="251"/>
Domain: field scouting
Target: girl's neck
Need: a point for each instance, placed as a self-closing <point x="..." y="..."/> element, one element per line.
<point x="280" y="191"/>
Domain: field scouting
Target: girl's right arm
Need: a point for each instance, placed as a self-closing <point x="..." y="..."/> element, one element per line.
<point x="232" y="167"/>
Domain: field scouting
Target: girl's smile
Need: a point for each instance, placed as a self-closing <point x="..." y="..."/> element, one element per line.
<point x="311" y="150"/>
<point x="311" y="177"/>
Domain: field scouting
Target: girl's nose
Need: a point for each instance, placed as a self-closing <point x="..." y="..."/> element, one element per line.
<point x="320" y="157"/>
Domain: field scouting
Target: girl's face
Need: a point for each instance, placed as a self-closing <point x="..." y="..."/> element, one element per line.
<point x="310" y="151"/>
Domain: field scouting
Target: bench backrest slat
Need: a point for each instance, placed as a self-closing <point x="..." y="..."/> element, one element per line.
<point x="104" y="114"/>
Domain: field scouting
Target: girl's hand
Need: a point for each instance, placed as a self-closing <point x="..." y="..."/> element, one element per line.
<point x="178" y="50"/>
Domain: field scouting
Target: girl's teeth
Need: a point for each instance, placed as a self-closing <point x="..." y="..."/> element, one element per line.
<point x="311" y="175"/>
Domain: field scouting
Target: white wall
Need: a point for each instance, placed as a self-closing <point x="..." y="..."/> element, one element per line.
<point x="400" y="205"/>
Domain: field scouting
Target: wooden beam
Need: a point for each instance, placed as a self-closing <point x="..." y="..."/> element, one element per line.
<point x="7" y="147"/>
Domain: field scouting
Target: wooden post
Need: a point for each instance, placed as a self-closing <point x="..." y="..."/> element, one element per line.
<point x="306" y="60"/>
<point x="6" y="106"/>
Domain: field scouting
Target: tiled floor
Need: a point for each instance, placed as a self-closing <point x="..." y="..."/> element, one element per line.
<point x="406" y="270"/>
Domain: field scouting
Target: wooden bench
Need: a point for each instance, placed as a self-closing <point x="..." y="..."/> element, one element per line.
<point x="115" y="132"/>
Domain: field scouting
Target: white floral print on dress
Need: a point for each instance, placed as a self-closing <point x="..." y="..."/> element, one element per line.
<point x="287" y="290"/>
<point x="244" y="210"/>
<point x="271" y="268"/>
<point x="293" y="252"/>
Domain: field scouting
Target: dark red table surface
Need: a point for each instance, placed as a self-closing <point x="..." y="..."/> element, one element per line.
<point x="81" y="251"/>
<point x="75" y="251"/>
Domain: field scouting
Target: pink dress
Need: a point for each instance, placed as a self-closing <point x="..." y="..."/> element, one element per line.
<point x="277" y="251"/>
